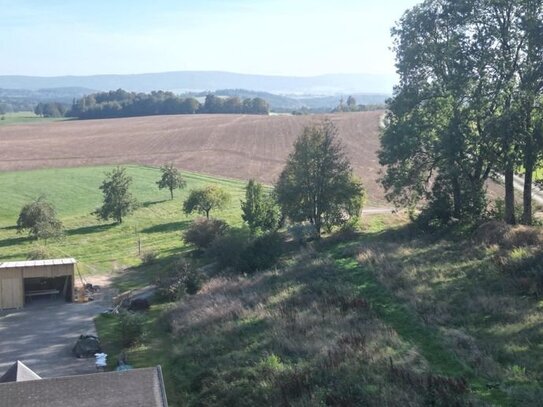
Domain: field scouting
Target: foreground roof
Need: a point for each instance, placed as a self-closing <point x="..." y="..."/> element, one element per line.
<point x="36" y="263"/>
<point x="19" y="372"/>
<point x="130" y="388"/>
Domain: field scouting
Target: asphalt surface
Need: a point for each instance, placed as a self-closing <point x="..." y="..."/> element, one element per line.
<point x="42" y="336"/>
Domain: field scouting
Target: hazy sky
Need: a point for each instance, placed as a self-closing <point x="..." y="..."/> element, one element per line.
<point x="284" y="37"/>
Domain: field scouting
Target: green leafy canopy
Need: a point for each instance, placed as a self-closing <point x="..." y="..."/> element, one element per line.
<point x="317" y="183"/>
<point x="118" y="201"/>
<point x="205" y="199"/>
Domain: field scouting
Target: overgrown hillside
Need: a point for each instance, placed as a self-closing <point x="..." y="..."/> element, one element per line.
<point x="385" y="316"/>
<point x="382" y="317"/>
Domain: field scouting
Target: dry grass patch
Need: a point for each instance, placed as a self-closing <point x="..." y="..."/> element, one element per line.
<point x="482" y="299"/>
<point x="507" y="236"/>
<point x="298" y="336"/>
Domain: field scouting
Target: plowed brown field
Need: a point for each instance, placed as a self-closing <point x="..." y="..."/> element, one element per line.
<point x="236" y="146"/>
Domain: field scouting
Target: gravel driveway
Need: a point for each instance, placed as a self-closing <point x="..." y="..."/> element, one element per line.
<point x="42" y="336"/>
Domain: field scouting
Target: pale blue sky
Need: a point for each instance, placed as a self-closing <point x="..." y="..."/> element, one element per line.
<point x="282" y="37"/>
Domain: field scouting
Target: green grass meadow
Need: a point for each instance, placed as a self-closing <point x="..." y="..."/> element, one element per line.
<point x="101" y="246"/>
<point x="26" y="118"/>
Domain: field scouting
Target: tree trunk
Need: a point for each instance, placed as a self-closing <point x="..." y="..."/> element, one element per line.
<point x="318" y="227"/>
<point x="171" y="193"/>
<point x="527" y="192"/>
<point x="457" y="199"/>
<point x="509" y="196"/>
<point x="207" y="213"/>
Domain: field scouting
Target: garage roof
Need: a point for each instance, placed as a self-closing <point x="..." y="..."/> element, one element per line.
<point x="19" y="372"/>
<point x="37" y="263"/>
<point x="137" y="387"/>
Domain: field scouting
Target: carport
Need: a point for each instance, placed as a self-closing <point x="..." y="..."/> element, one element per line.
<point x="23" y="281"/>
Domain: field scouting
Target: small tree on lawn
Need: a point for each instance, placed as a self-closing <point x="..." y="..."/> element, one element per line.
<point x="205" y="199"/>
<point x="317" y="183"/>
<point x="39" y="218"/>
<point x="118" y="201"/>
<point x="171" y="179"/>
<point x="259" y="209"/>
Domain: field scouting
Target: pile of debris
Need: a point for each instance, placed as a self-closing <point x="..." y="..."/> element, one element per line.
<point x="85" y="293"/>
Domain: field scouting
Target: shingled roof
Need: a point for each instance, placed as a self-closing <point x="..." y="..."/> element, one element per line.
<point x="131" y="388"/>
<point x="19" y="372"/>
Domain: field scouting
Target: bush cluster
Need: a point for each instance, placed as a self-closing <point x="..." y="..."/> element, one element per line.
<point x="202" y="232"/>
<point x="237" y="251"/>
<point x="38" y="253"/>
<point x="131" y="327"/>
<point x="262" y="253"/>
<point x="149" y="257"/>
<point x="184" y="279"/>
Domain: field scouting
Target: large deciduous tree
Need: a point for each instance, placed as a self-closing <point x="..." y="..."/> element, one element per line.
<point x="317" y="183"/>
<point x="118" y="201"/>
<point x="455" y="116"/>
<point x="171" y="179"/>
<point x="205" y="199"/>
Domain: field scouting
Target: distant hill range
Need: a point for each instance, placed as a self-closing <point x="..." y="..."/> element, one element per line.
<point x="198" y="81"/>
<point x="281" y="92"/>
<point x="27" y="99"/>
<point x="295" y="102"/>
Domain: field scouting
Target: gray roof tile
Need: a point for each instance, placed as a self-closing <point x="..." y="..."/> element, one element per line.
<point x="131" y="388"/>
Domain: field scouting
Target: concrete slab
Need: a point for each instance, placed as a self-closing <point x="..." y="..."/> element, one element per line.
<point x="42" y="336"/>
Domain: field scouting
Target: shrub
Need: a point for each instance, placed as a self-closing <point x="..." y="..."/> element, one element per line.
<point x="38" y="253"/>
<point x="192" y="281"/>
<point x="139" y="304"/>
<point x="149" y="257"/>
<point x="202" y="232"/>
<point x="492" y="232"/>
<point x="262" y="253"/>
<point x="497" y="210"/>
<point x="498" y="232"/>
<point x="302" y="232"/>
<point x="131" y="327"/>
<point x="183" y="279"/>
<point x="168" y="290"/>
<point x="226" y="250"/>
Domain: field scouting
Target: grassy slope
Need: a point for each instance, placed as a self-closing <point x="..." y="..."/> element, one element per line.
<point x="98" y="246"/>
<point x="332" y="318"/>
<point x="328" y="318"/>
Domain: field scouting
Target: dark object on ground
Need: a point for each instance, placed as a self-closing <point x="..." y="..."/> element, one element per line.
<point x="139" y="304"/>
<point x="92" y="288"/>
<point x="86" y="346"/>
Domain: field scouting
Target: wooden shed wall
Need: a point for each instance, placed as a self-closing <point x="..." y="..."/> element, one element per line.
<point x="48" y="271"/>
<point x="12" y="281"/>
<point x="11" y="289"/>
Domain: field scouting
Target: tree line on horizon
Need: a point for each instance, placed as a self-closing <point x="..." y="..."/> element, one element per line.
<point x="120" y="103"/>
